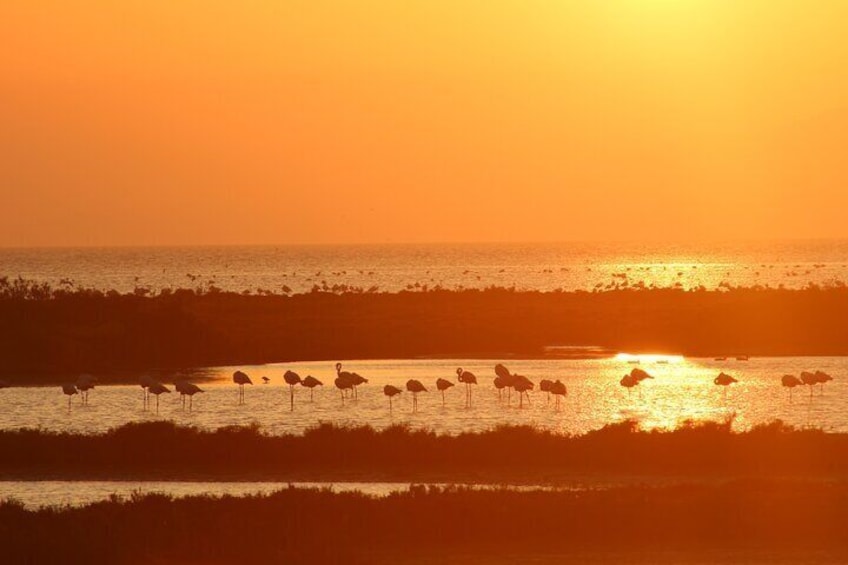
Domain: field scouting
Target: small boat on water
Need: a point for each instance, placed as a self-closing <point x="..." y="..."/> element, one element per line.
<point x="742" y="358"/>
<point x="720" y="359"/>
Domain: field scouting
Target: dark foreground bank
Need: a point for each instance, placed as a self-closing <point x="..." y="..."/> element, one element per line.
<point x="517" y="455"/>
<point x="746" y="521"/>
<point x="47" y="332"/>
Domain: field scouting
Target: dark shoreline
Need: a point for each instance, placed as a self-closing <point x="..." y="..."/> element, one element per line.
<point x="68" y="333"/>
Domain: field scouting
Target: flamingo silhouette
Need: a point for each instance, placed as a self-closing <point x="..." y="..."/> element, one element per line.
<point x="84" y="384"/>
<point x="344" y="381"/>
<point x="291" y="379"/>
<point x="355" y="380"/>
<point x="241" y="379"/>
<point x="545" y="386"/>
<point x="69" y="389"/>
<point x="391" y="391"/>
<point x="522" y="386"/>
<point x="810" y="380"/>
<point x="821" y="378"/>
<point x="186" y="388"/>
<point x="503" y="379"/>
<point x="158" y="388"/>
<point x="311" y="382"/>
<point x="724" y="380"/>
<point x="790" y="382"/>
<point x="442" y="385"/>
<point x="265" y="380"/>
<point x="558" y="390"/>
<point x="468" y="379"/>
<point x="628" y="382"/>
<point x="145" y="381"/>
<point x="414" y="386"/>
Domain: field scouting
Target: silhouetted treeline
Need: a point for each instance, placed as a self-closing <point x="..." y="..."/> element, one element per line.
<point x="746" y="521"/>
<point x="48" y="332"/>
<point x="516" y="454"/>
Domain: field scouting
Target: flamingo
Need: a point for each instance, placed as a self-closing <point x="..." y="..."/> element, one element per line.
<point x="145" y="381"/>
<point x="545" y="386"/>
<point x="557" y="389"/>
<point x="69" y="389"/>
<point x="85" y="383"/>
<point x="186" y="388"/>
<point x="468" y="379"/>
<point x="414" y="386"/>
<point x="291" y="379"/>
<point x="821" y="378"/>
<point x="790" y="382"/>
<point x="442" y="385"/>
<point x="391" y="391"/>
<point x="241" y="379"/>
<point x="344" y="381"/>
<point x="810" y="380"/>
<point x="265" y="380"/>
<point x="503" y="379"/>
<point x="628" y="382"/>
<point x="157" y="389"/>
<point x="724" y="380"/>
<point x="356" y="380"/>
<point x="311" y="382"/>
<point x="522" y="385"/>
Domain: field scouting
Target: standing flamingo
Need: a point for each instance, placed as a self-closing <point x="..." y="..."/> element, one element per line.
<point x="188" y="389"/>
<point x="468" y="378"/>
<point x="69" y="389"/>
<point x="355" y="380"/>
<point x="724" y="380"/>
<point x="145" y="381"/>
<point x="311" y="382"/>
<point x="291" y="379"/>
<point x="810" y="380"/>
<point x="821" y="378"/>
<point x="241" y="379"/>
<point x="790" y="382"/>
<point x="414" y="386"/>
<point x="157" y="389"/>
<point x="391" y="391"/>
<point x="265" y="380"/>
<point x="522" y="386"/>
<point x="442" y="385"/>
<point x="558" y="390"/>
<point x="628" y="382"/>
<point x="503" y="379"/>
<point x="344" y="381"/>
<point x="85" y="383"/>
<point x="545" y="386"/>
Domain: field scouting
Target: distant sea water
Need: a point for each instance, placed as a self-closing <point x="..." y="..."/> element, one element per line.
<point x="391" y="268"/>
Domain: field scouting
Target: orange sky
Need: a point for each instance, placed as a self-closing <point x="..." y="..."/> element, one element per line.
<point x="303" y="121"/>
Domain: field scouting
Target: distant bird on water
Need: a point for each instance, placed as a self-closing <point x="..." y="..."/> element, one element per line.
<point x="344" y="381"/>
<point x="69" y="389"/>
<point x="810" y="380"/>
<point x="186" y="388"/>
<point x="522" y="386"/>
<point x="821" y="378"/>
<point x="558" y="390"/>
<point x="241" y="379"/>
<point x="545" y="386"/>
<point x="391" y="391"/>
<point x="468" y="379"/>
<point x="790" y="382"/>
<point x="724" y="380"/>
<point x="356" y="380"/>
<point x="265" y="380"/>
<point x="84" y="384"/>
<point x="503" y="380"/>
<point x="157" y="389"/>
<point x="292" y="379"/>
<point x="145" y="381"/>
<point x="442" y="385"/>
<point x="414" y="386"/>
<point x="311" y="382"/>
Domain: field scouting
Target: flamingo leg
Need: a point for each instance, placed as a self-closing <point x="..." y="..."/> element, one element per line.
<point x="291" y="393"/>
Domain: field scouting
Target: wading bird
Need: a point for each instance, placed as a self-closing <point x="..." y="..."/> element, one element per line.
<point x="504" y="379"/>
<point x="522" y="386"/>
<point x="344" y="381"/>
<point x="391" y="391"/>
<point x="558" y="390"/>
<point x="157" y="389"/>
<point x="265" y="380"/>
<point x="69" y="389"/>
<point x="442" y="385"/>
<point x="84" y="384"/>
<point x="724" y="380"/>
<point x="241" y="379"/>
<point x="810" y="380"/>
<point x="355" y="380"/>
<point x="545" y="386"/>
<point x="291" y="379"/>
<point x="186" y="388"/>
<point x="145" y="381"/>
<point x="790" y="382"/>
<point x="821" y="378"/>
<point x="414" y="386"/>
<point x="311" y="382"/>
<point x="467" y="378"/>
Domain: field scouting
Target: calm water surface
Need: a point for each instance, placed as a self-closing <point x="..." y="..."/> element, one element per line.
<point x="682" y="390"/>
<point x="568" y="266"/>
